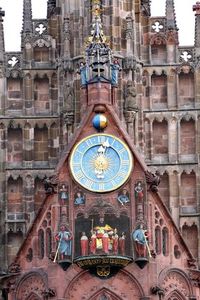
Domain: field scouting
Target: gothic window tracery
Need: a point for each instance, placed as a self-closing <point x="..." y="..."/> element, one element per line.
<point x="41" y="54"/>
<point x="15" y="151"/>
<point x="41" y="152"/>
<point x="186" y="89"/>
<point x="39" y="193"/>
<point x="165" y="238"/>
<point x="164" y="189"/>
<point x="41" y="95"/>
<point x="15" y="192"/>
<point x="48" y="242"/>
<point x="188" y="193"/>
<point x="187" y="138"/>
<point x="160" y="140"/>
<point x="41" y="244"/>
<point x="159" y="91"/>
<point x="157" y="240"/>
<point x="190" y="234"/>
<point x="14" y="93"/>
<point x="161" y="235"/>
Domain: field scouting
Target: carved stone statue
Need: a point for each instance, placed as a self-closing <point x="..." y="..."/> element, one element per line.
<point x="50" y="184"/>
<point x="130" y="97"/>
<point x="153" y="180"/>
<point x="68" y="98"/>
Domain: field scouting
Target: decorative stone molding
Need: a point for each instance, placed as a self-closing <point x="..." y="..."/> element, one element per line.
<point x="175" y="280"/>
<point x="129" y="63"/>
<point x="14" y="268"/>
<point x="129" y="27"/>
<point x="158" y="39"/>
<point x="146" y="9"/>
<point x="66" y="29"/>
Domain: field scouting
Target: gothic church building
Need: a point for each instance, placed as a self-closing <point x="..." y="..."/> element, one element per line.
<point x="99" y="155"/>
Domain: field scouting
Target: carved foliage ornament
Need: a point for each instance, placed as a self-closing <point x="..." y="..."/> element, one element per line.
<point x="33" y="284"/>
<point x="176" y="281"/>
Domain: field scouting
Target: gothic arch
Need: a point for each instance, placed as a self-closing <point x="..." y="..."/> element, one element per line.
<point x="176" y="295"/>
<point x="112" y="287"/>
<point x="33" y="296"/>
<point x="36" y="280"/>
<point x="105" y="294"/>
<point x="175" y="281"/>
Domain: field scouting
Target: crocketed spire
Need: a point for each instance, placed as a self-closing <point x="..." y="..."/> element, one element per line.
<point x="27" y="17"/>
<point x="170" y="15"/>
<point x="2" y="49"/>
<point x="196" y="8"/>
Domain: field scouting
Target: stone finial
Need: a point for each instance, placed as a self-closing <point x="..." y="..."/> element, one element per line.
<point x="27" y="17"/>
<point x="170" y="15"/>
<point x="2" y="13"/>
<point x="2" y="49"/>
<point x="196" y="8"/>
<point x="51" y="5"/>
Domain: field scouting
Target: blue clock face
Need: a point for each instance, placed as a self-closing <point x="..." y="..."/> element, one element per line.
<point x="101" y="163"/>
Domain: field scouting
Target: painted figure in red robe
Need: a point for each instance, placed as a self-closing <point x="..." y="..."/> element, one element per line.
<point x="93" y="243"/>
<point x="115" y="242"/>
<point x="105" y="242"/>
<point x="84" y="244"/>
<point x="140" y="239"/>
<point x="122" y="243"/>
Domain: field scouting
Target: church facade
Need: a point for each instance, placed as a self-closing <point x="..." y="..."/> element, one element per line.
<point x="99" y="155"/>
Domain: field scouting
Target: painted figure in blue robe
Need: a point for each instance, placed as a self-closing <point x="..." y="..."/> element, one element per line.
<point x="79" y="198"/>
<point x="140" y="240"/>
<point x="123" y="197"/>
<point x="115" y="68"/>
<point x="63" y="194"/>
<point x="65" y="242"/>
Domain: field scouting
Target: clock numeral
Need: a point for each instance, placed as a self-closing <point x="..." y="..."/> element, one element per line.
<point x="112" y="143"/>
<point x="101" y="139"/>
<point x="101" y="186"/>
<point x="113" y="182"/>
<point x="79" y="151"/>
<point x="79" y="175"/>
<point x="125" y="162"/>
<point x="121" y="150"/>
<point x="122" y="174"/>
<point x="75" y="164"/>
<point x="89" y="142"/>
<point x="88" y="183"/>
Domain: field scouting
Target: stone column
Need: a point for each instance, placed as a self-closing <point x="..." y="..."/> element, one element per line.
<point x="130" y="117"/>
<point x="3" y="139"/>
<point x="171" y="90"/>
<point x="174" y="195"/>
<point x="172" y="140"/>
<point x="28" y="146"/>
<point x="28" y="95"/>
<point x="28" y="198"/>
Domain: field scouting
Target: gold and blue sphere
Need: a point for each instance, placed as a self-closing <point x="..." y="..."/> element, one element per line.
<point x="99" y="122"/>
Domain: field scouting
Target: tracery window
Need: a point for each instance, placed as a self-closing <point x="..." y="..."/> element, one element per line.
<point x="41" y="244"/>
<point x="157" y="240"/>
<point x="48" y="242"/>
<point x="165" y="239"/>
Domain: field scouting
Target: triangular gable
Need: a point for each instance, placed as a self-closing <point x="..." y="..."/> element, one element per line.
<point x="87" y="129"/>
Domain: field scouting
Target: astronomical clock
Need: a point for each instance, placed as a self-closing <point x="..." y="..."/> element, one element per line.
<point x="101" y="163"/>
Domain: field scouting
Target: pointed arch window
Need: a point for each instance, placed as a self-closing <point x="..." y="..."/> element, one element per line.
<point x="158" y="240"/>
<point x="165" y="241"/>
<point x="48" y="242"/>
<point x="41" y="244"/>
